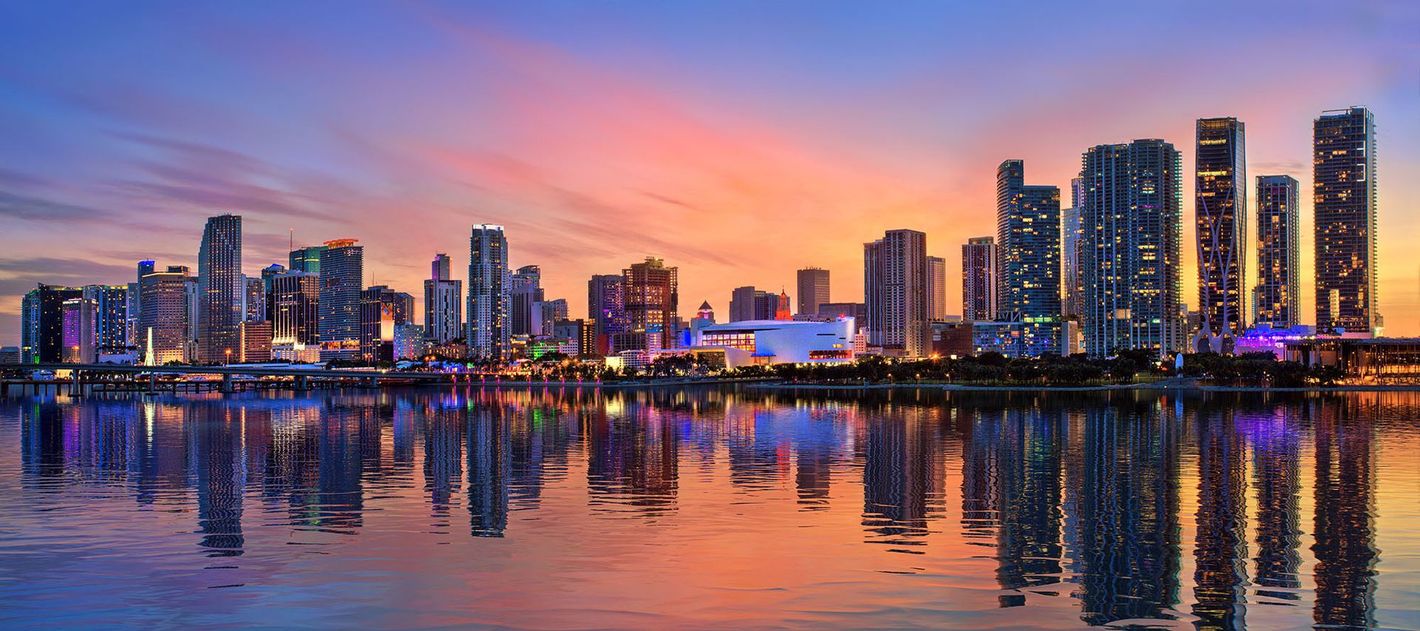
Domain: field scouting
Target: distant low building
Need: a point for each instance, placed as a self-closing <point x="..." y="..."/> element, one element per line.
<point x="1390" y="360"/>
<point x="1006" y="338"/>
<point x="9" y="355"/>
<point x="764" y="342"/>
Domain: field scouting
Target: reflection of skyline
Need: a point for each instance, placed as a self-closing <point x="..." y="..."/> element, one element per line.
<point x="1052" y="491"/>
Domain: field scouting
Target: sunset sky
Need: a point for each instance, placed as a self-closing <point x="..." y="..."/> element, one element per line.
<point x="737" y="140"/>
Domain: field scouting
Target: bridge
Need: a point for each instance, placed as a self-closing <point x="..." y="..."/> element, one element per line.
<point x="148" y="377"/>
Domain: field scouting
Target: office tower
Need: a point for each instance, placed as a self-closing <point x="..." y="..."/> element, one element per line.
<point x="1344" y="184"/>
<point x="81" y="331"/>
<point x="163" y="321"/>
<point x="256" y="337"/>
<point x="295" y="316"/>
<point x="342" y="278"/>
<point x="579" y="331"/>
<point x="267" y="274"/>
<point x="525" y="291"/>
<point x="221" y="289"/>
<point x="194" y="317"/>
<point x="978" y="279"/>
<point x="488" y="334"/>
<point x="551" y="311"/>
<point x="29" y="327"/>
<point x="813" y="289"/>
<point x="410" y="342"/>
<point x="306" y="259"/>
<point x="381" y="311"/>
<point x="111" y="322"/>
<point x="766" y="305"/>
<point x="1028" y="258"/>
<point x="1132" y="217"/>
<point x="650" y="295"/>
<point x="1071" y="232"/>
<point x="782" y="312"/>
<point x="443" y="303"/>
<point x="742" y="303"/>
<point x="936" y="288"/>
<point x="895" y="291"/>
<point x="1279" y="245"/>
<point x="43" y="322"/>
<point x="254" y="300"/>
<point x="1220" y="211"/>
<point x="605" y="309"/>
<point x="145" y="267"/>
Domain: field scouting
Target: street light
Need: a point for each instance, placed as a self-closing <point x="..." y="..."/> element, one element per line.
<point x="229" y="356"/>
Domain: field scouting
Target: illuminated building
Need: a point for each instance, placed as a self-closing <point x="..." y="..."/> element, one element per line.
<point x="579" y="330"/>
<point x="936" y="288"/>
<point x="782" y="312"/>
<point x="295" y="317"/>
<point x="43" y="322"/>
<point x="650" y="298"/>
<point x="443" y="303"/>
<point x="604" y="308"/>
<point x="409" y="341"/>
<point x="306" y="259"/>
<point x="488" y="333"/>
<point x="1220" y="210"/>
<point x="1279" y="244"/>
<point x="895" y="291"/>
<point x="342" y="276"/>
<point x="221" y="289"/>
<point x="111" y="319"/>
<point x="549" y="312"/>
<point x="81" y="331"/>
<point x="1028" y="258"/>
<point x="1073" y="300"/>
<point x="813" y="289"/>
<point x="267" y="273"/>
<point x="381" y="310"/>
<point x="978" y="279"/>
<point x="762" y="342"/>
<point x="1344" y="182"/>
<point x="1132" y="220"/>
<point x="253" y="300"/>
<point x="163" y="320"/>
<point x="526" y="295"/>
<point x="255" y="341"/>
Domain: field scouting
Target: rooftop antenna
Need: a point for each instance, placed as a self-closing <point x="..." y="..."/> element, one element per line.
<point x="290" y="239"/>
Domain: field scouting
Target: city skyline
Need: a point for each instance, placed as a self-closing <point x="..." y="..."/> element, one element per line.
<point x="129" y="166"/>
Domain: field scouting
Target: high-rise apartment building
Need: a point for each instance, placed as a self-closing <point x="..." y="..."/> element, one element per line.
<point x="651" y="294"/>
<point x="1279" y="244"/>
<point x="295" y="317"/>
<point x="81" y="330"/>
<point x="342" y="279"/>
<point x="813" y="289"/>
<point x="221" y="290"/>
<point x="488" y="333"/>
<point x="1344" y="187"/>
<point x="42" y="322"/>
<point x="1220" y="212"/>
<point x="895" y="291"/>
<point x="111" y="320"/>
<point x="605" y="310"/>
<point x="163" y="321"/>
<point x="936" y="288"/>
<point x="1028" y="258"/>
<point x="443" y="303"/>
<point x="1132" y="219"/>
<point x="978" y="279"/>
<point x="526" y="295"/>
<point x="1071" y="230"/>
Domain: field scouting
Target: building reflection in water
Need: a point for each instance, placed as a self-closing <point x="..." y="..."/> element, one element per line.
<point x="1068" y="497"/>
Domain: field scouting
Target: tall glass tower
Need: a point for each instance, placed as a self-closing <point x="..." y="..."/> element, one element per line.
<point x="1279" y="245"/>
<point x="221" y="290"/>
<point x="1028" y="258"/>
<point x="342" y="278"/>
<point x="488" y="334"/>
<point x="1344" y="184"/>
<point x="1220" y="212"/>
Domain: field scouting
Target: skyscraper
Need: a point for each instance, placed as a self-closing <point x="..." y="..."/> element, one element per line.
<point x="111" y="321"/>
<point x="254" y="300"/>
<point x="1028" y="258"/>
<point x="813" y="289"/>
<point x="781" y="310"/>
<point x="267" y="273"/>
<point x="895" y="291"/>
<point x="382" y="310"/>
<point x="1132" y="219"/>
<point x="488" y="333"/>
<point x="651" y="293"/>
<point x="936" y="288"/>
<point x="43" y="322"/>
<point x="604" y="308"/>
<point x="1279" y="245"/>
<point x="295" y="316"/>
<point x="443" y="303"/>
<point x="306" y="259"/>
<point x="342" y="279"/>
<point x="525" y="291"/>
<point x="978" y="279"/>
<point x="1344" y="182"/>
<point x="163" y="321"/>
<point x="742" y="303"/>
<point x="1071" y="231"/>
<point x="1220" y="210"/>
<point x="221" y="289"/>
<point x="81" y="331"/>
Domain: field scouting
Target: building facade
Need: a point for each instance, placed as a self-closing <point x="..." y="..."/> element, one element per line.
<point x="525" y="291"/>
<point x="605" y="310"/>
<point x="487" y="332"/>
<point x="1220" y="213"/>
<point x="1132" y="219"/>
<point x="978" y="279"/>
<point x="1028" y="258"/>
<point x="651" y="295"/>
<point x="81" y="330"/>
<point x="163" y="323"/>
<point x="1072" y="299"/>
<point x="443" y="303"/>
<point x="306" y="259"/>
<point x="342" y="279"/>
<point x="221" y="289"/>
<point x="895" y="292"/>
<point x="813" y="289"/>
<point x="936" y="288"/>
<point x="1344" y="187"/>
<point x="295" y="318"/>
<point x="111" y="317"/>
<point x="1279" y="245"/>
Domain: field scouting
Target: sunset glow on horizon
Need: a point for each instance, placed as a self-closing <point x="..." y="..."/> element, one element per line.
<point x="738" y="141"/>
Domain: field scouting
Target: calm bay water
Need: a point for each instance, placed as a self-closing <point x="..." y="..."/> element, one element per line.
<point x="710" y="508"/>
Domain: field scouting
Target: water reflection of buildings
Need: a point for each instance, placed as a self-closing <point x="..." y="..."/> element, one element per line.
<point x="1053" y="489"/>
